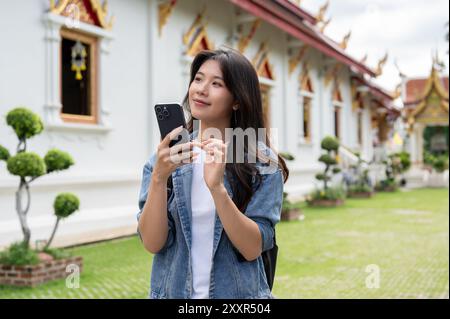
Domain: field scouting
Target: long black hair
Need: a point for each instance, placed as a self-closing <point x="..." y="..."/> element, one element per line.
<point x="241" y="80"/>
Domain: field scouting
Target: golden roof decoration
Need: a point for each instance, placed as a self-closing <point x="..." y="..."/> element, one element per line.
<point x="433" y="108"/>
<point x="88" y="11"/>
<point x="262" y="64"/>
<point x="324" y="24"/>
<point x="305" y="79"/>
<point x="295" y="60"/>
<point x="381" y="63"/>
<point x="244" y="40"/>
<point x="164" y="11"/>
<point x="344" y="42"/>
<point x="323" y="9"/>
<point x="196" y="38"/>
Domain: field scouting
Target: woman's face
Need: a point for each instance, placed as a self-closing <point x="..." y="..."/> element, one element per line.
<point x="209" y="99"/>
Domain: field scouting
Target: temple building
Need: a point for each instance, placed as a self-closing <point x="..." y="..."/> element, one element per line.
<point x="426" y="115"/>
<point x="93" y="70"/>
<point x="426" y="109"/>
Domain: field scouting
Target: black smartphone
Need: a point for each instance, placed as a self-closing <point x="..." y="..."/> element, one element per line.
<point x="171" y="116"/>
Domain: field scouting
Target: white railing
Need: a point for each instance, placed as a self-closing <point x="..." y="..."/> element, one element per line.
<point x="346" y="157"/>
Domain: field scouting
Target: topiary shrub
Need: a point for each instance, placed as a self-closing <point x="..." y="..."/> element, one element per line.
<point x="357" y="179"/>
<point x="438" y="163"/>
<point x="25" y="123"/>
<point x="4" y="154"/>
<point x="395" y="164"/>
<point x="330" y="145"/>
<point x="328" y="196"/>
<point x="29" y="166"/>
<point x="65" y="205"/>
<point x="26" y="164"/>
<point x="57" y="160"/>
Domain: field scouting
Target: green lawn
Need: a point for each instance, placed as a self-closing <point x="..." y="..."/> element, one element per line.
<point x="405" y="234"/>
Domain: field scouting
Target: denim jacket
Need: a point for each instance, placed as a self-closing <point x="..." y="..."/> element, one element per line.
<point x="230" y="276"/>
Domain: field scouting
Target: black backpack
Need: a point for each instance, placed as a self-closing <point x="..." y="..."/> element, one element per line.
<point x="269" y="258"/>
<point x="270" y="261"/>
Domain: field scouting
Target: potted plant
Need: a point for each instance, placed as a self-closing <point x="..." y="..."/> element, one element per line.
<point x="328" y="196"/>
<point x="395" y="164"/>
<point x="357" y="180"/>
<point x="289" y="211"/>
<point x="436" y="165"/>
<point x="20" y="264"/>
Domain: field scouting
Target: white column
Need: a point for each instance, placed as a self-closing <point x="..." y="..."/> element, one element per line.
<point x="53" y="104"/>
<point x="419" y="149"/>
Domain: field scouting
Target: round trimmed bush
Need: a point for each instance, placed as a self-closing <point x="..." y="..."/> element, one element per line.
<point x="287" y="156"/>
<point x="330" y="143"/>
<point x="322" y="177"/>
<point x="57" y="160"/>
<point x="24" y="122"/>
<point x="440" y="163"/>
<point x="26" y="164"/>
<point x="336" y="170"/>
<point x="65" y="204"/>
<point x="327" y="159"/>
<point x="4" y="154"/>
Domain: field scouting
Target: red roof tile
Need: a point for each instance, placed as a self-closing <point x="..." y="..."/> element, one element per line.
<point x="415" y="88"/>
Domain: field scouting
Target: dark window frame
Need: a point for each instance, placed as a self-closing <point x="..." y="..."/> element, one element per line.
<point x="93" y="85"/>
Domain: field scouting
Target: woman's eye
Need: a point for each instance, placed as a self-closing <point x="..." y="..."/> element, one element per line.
<point x="217" y="84"/>
<point x="197" y="79"/>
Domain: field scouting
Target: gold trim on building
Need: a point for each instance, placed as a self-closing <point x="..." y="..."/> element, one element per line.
<point x="381" y="63"/>
<point x="431" y="113"/>
<point x="164" y="12"/>
<point x="294" y="61"/>
<point x="196" y="36"/>
<point x="244" y="41"/>
<point x="261" y="63"/>
<point x="63" y="7"/>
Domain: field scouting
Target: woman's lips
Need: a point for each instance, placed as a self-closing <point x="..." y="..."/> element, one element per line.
<point x="200" y="103"/>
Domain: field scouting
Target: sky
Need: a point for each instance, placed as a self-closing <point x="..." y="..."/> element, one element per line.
<point x="409" y="30"/>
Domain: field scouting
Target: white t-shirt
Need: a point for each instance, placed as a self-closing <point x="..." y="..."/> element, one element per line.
<point x="203" y="218"/>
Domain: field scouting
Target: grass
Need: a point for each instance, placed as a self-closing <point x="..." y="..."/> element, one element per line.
<point x="404" y="234"/>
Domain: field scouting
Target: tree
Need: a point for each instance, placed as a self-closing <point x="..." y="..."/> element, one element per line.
<point x="330" y="145"/>
<point x="29" y="166"/>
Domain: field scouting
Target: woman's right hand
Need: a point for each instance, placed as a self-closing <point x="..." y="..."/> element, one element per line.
<point x="169" y="158"/>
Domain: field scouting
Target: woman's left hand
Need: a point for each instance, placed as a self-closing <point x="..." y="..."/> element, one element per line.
<point x="215" y="161"/>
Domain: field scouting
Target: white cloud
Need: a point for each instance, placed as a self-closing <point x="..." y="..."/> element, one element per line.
<point x="409" y="30"/>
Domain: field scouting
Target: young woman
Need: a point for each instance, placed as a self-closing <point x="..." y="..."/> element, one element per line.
<point x="207" y="221"/>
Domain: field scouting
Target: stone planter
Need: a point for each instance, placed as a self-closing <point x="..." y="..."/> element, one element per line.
<point x="33" y="275"/>
<point x="360" y="194"/>
<point x="326" y="202"/>
<point x="291" y="214"/>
